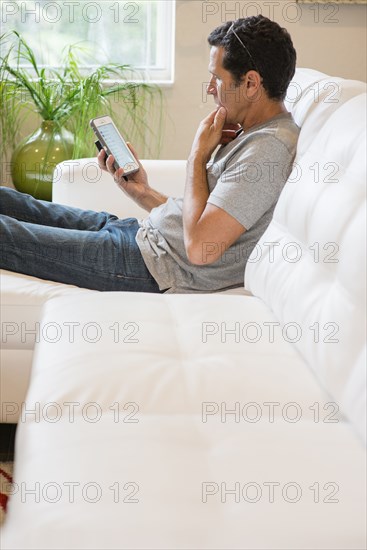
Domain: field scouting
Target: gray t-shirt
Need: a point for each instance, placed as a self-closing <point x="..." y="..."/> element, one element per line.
<point x="245" y="179"/>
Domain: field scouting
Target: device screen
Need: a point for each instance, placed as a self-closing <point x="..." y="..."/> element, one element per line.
<point x="117" y="147"/>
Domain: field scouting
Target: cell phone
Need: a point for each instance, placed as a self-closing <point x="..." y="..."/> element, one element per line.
<point x="114" y="144"/>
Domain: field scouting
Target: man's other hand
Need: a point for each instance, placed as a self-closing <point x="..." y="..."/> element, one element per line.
<point x="229" y="133"/>
<point x="209" y="134"/>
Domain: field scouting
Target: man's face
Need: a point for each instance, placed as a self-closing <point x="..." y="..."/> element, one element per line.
<point x="222" y="88"/>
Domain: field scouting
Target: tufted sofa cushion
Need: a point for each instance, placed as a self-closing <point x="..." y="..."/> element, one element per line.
<point x="150" y="427"/>
<point x="309" y="265"/>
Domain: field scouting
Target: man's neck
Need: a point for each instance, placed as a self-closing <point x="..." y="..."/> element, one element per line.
<point x="263" y="112"/>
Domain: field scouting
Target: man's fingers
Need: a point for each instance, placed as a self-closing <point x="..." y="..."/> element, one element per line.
<point x="220" y="117"/>
<point x="109" y="163"/>
<point x="105" y="162"/>
<point x="226" y="132"/>
<point x="226" y="139"/>
<point x="230" y="126"/>
<point x="132" y="150"/>
<point x="229" y="135"/>
<point x="118" y="174"/>
<point x="217" y="117"/>
<point x="101" y="158"/>
<point x="221" y="113"/>
<point x="211" y="117"/>
<point x="135" y="154"/>
<point x="101" y="154"/>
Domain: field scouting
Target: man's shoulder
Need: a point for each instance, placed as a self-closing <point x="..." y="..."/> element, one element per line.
<point x="275" y="138"/>
<point x="276" y="134"/>
<point x="274" y="127"/>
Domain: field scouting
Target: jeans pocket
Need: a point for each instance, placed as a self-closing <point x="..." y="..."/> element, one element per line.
<point x="129" y="263"/>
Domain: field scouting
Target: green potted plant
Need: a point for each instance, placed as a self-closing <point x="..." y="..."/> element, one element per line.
<point x="65" y="99"/>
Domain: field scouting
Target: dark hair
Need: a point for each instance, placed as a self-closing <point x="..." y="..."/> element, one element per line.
<point x="267" y="48"/>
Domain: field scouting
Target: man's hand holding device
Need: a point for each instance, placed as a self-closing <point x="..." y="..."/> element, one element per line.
<point x="136" y="184"/>
<point x="113" y="143"/>
<point x="119" y="159"/>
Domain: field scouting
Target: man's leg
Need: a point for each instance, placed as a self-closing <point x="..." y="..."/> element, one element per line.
<point x="26" y="208"/>
<point x="106" y="259"/>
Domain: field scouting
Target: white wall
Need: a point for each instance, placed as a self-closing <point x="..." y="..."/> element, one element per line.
<point x="328" y="37"/>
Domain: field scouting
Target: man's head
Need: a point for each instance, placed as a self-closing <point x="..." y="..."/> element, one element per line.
<point x="257" y="44"/>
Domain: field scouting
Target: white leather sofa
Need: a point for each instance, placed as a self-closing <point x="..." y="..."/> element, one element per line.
<point x="204" y="421"/>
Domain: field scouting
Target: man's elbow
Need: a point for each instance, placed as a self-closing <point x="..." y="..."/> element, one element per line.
<point x="199" y="253"/>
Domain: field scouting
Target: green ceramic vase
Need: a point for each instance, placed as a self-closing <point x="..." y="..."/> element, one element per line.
<point x="34" y="160"/>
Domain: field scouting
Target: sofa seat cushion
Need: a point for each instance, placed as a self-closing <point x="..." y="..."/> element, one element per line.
<point x="154" y="406"/>
<point x="22" y="299"/>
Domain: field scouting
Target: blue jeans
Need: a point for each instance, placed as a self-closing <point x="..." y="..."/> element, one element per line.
<point x="94" y="250"/>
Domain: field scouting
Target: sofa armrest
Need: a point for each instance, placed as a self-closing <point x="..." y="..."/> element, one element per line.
<point x="81" y="183"/>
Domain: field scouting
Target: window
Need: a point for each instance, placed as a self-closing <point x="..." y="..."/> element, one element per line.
<point x="138" y="33"/>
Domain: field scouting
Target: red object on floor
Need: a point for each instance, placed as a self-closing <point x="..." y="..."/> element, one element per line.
<point x="4" y="478"/>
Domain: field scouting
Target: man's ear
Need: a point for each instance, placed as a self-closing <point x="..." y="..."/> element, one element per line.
<point x="253" y="85"/>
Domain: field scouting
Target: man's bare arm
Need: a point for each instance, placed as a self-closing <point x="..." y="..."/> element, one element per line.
<point x="206" y="226"/>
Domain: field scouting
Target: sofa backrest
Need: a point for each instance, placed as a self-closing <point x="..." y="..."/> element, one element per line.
<point x="309" y="265"/>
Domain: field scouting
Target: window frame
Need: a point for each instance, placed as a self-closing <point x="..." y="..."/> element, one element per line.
<point x="164" y="73"/>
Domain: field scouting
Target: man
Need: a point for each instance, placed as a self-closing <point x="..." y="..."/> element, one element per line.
<point x="200" y="242"/>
